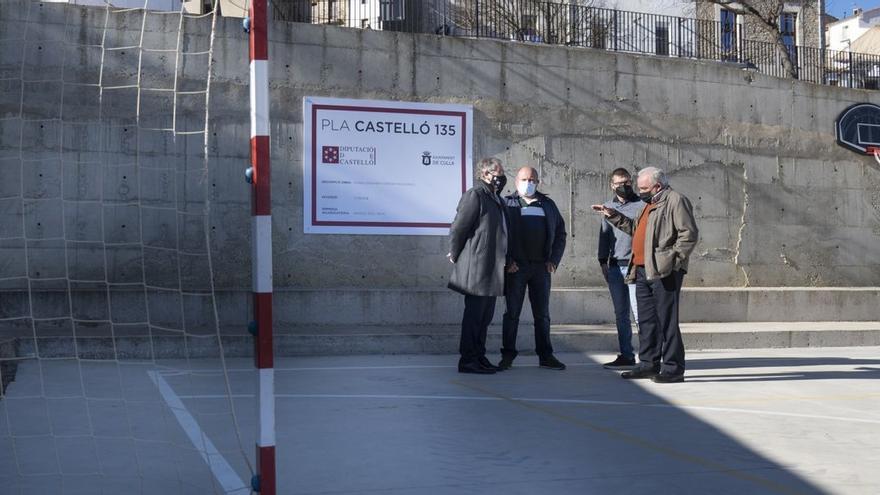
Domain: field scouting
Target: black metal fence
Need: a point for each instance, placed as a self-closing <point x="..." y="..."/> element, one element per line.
<point x="574" y="24"/>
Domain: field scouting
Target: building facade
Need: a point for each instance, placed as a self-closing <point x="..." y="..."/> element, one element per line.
<point x="841" y="35"/>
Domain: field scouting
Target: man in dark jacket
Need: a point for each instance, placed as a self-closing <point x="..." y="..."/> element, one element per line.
<point x="536" y="243"/>
<point x="478" y="250"/>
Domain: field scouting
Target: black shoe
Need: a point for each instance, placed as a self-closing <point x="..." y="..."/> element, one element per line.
<point x="551" y="363"/>
<point x="668" y="378"/>
<point x="485" y="363"/>
<point x="621" y="363"/>
<point x="475" y="368"/>
<point x="640" y="373"/>
<point x="506" y="363"/>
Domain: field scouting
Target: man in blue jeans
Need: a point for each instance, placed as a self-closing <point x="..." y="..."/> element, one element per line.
<point x="537" y="236"/>
<point x="615" y="251"/>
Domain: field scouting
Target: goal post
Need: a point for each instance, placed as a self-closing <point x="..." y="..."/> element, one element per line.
<point x="261" y="257"/>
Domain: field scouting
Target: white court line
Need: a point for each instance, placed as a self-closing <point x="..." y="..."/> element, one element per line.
<point x="351" y="368"/>
<point x="545" y="401"/>
<point x="226" y="476"/>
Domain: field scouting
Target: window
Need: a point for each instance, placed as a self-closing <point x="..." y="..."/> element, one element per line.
<point x="365" y="24"/>
<point x="728" y="35"/>
<point x="598" y="33"/>
<point x="661" y="38"/>
<point x="331" y="11"/>
<point x="574" y="24"/>
<point x="528" y="24"/>
<point x="788" y="28"/>
<point x="391" y="10"/>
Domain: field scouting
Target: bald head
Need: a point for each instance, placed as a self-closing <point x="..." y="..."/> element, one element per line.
<point x="527" y="173"/>
<point x="527" y="181"/>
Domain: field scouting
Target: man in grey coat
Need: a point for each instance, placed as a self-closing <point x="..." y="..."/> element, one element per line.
<point x="478" y="250"/>
<point x="664" y="234"/>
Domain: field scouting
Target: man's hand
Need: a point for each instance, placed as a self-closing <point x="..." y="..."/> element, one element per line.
<point x="449" y="257"/>
<point x="550" y="267"/>
<point x="603" y="210"/>
<point x="604" y="271"/>
<point x="512" y="267"/>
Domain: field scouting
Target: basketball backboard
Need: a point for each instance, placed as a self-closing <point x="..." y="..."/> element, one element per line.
<point x="858" y="128"/>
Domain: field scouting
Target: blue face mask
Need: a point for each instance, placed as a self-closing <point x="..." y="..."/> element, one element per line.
<point x="526" y="188"/>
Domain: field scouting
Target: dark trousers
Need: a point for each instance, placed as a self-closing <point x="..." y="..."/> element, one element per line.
<point x="534" y="277"/>
<point x="660" y="344"/>
<point x="478" y="313"/>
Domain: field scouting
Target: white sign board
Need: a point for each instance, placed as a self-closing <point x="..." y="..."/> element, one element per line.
<point x="384" y="167"/>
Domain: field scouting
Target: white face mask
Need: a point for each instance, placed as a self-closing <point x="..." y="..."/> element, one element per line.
<point x="526" y="188"/>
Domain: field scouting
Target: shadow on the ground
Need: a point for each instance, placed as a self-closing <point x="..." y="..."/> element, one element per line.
<point x="769" y="362"/>
<point x="526" y="430"/>
<point x="863" y="369"/>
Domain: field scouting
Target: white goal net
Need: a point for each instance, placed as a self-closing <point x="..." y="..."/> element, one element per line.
<point x="116" y="376"/>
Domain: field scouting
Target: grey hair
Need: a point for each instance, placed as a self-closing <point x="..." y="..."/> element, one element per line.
<point x="487" y="164"/>
<point x="657" y="175"/>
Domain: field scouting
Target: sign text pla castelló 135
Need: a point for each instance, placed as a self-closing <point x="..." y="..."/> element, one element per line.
<point x="384" y="167"/>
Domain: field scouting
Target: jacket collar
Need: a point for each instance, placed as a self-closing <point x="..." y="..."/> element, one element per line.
<point x="632" y="199"/>
<point x="539" y="195"/>
<point x="485" y="186"/>
<point x="661" y="196"/>
<point x="488" y="189"/>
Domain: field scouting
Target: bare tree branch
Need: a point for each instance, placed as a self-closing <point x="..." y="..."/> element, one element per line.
<point x="767" y="14"/>
<point x="517" y="19"/>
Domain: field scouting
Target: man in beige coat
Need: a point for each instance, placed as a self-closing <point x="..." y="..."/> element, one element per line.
<point x="664" y="235"/>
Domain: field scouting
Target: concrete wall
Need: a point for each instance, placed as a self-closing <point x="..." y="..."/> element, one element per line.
<point x="778" y="202"/>
<point x="85" y="179"/>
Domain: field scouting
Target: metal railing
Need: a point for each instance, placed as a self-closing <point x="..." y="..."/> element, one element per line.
<point x="574" y="24"/>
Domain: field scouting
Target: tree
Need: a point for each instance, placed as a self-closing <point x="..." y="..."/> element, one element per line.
<point x="767" y="15"/>
<point x="524" y="20"/>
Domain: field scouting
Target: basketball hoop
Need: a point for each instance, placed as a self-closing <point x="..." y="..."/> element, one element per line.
<point x="874" y="150"/>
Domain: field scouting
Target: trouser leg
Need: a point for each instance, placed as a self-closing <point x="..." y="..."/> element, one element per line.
<point x="667" y="292"/>
<point x="650" y="333"/>
<point x="620" y="299"/>
<point x="485" y="320"/>
<point x="539" y="297"/>
<point x="514" y="295"/>
<point x="633" y="301"/>
<point x="470" y="328"/>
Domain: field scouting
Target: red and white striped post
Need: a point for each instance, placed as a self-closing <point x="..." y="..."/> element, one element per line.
<point x="261" y="205"/>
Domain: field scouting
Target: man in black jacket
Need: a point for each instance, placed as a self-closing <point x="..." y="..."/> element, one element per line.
<point x="536" y="243"/>
<point x="478" y="250"/>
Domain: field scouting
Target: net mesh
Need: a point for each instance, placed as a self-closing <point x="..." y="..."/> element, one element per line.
<point x="114" y="375"/>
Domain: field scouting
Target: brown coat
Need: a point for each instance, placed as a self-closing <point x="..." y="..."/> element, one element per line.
<point x="670" y="238"/>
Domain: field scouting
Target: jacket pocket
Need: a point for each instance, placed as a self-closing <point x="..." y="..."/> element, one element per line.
<point x="477" y="242"/>
<point x="665" y="260"/>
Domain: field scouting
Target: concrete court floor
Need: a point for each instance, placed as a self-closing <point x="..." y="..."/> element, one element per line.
<point x="745" y="422"/>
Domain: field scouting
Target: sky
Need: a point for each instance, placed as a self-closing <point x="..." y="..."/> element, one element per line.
<point x="844" y="8"/>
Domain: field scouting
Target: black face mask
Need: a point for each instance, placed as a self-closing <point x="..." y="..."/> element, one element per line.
<point x="625" y="191"/>
<point x="498" y="182"/>
<point x="647" y="196"/>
